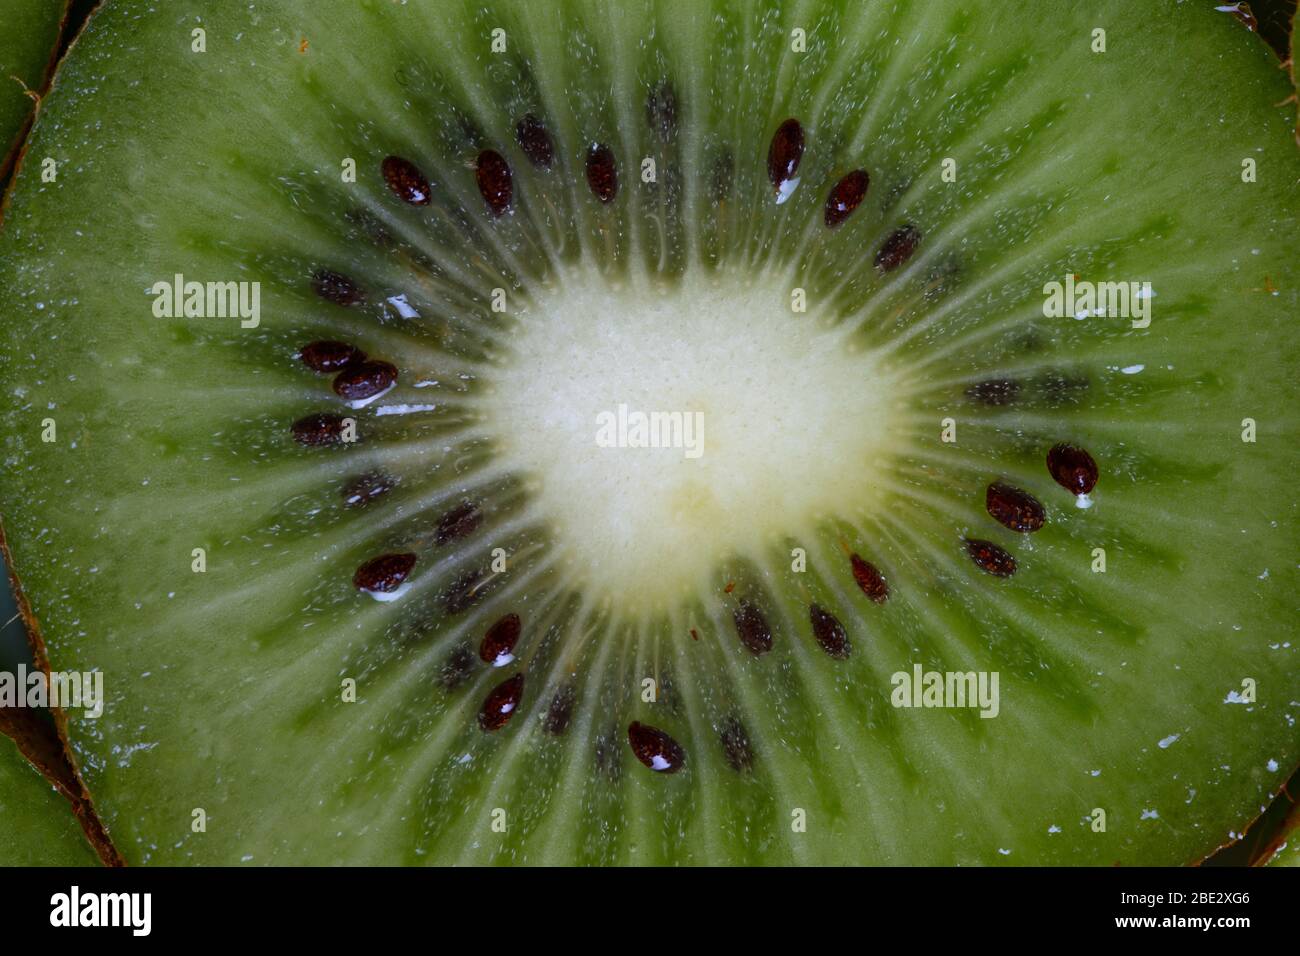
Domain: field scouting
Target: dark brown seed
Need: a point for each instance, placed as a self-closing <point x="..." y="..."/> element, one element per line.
<point x="735" y="744"/>
<point x="1016" y="509"/>
<point x="602" y="174"/>
<point x="458" y="667"/>
<point x="406" y="181"/>
<point x="336" y="287"/>
<point x="498" y="644"/>
<point x="870" y="579"/>
<point x="364" y="489"/>
<point x="898" y="248"/>
<point x="559" y="713"/>
<point x="458" y="522"/>
<point x="995" y="391"/>
<point x="991" y="558"/>
<point x="494" y="183"/>
<point x="845" y="197"/>
<point x="384" y="573"/>
<point x="322" y="428"/>
<point x="364" y="380"/>
<point x="501" y="704"/>
<point x="535" y="141"/>
<point x="654" y="748"/>
<point x="661" y="111"/>
<point x="330" y="356"/>
<point x="751" y="626"/>
<point x="829" y="632"/>
<point x="1073" y="468"/>
<point x="785" y="152"/>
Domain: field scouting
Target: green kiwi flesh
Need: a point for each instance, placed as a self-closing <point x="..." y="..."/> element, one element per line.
<point x="230" y="734"/>
<point x="39" y="829"/>
<point x="28" y="44"/>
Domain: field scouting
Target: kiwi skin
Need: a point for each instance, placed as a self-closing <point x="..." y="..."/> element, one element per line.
<point x="241" y="713"/>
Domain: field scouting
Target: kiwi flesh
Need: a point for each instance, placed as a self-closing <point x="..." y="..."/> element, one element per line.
<point x="39" y="830"/>
<point x="287" y="559"/>
<point x="29" y="45"/>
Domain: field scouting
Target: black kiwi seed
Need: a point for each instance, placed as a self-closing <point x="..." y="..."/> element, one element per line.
<point x="535" y="141"/>
<point x="845" y="197"/>
<point x="336" y="287"/>
<point x="1072" y="468"/>
<point x="602" y="174"/>
<point x="364" y="380"/>
<point x="364" y="489"/>
<point x="994" y="391"/>
<point x="785" y="152"/>
<point x="869" y="578"/>
<point x="751" y="627"/>
<point x="499" y="641"/>
<point x="558" y="714"/>
<point x="991" y="558"/>
<point x="384" y="573"/>
<point x="492" y="173"/>
<point x="406" y="181"/>
<point x="501" y="703"/>
<point x="735" y="744"/>
<point x="661" y="111"/>
<point x="1013" y="508"/>
<point x="322" y="428"/>
<point x="329" y="356"/>
<point x="458" y="522"/>
<point x="829" y="632"/>
<point x="654" y="748"/>
<point x="898" y="248"/>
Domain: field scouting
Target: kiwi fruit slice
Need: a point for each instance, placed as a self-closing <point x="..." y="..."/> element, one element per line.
<point x="28" y="49"/>
<point x="365" y="577"/>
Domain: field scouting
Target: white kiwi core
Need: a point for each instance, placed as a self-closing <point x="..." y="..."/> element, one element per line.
<point x="665" y="430"/>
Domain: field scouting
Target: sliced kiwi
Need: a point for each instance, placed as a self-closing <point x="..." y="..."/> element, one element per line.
<point x="366" y="588"/>
<point x="29" y="43"/>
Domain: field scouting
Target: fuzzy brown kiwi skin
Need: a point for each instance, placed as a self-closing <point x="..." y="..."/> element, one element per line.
<point x="44" y="746"/>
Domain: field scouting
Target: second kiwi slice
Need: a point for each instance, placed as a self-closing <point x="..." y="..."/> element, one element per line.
<point x="705" y="432"/>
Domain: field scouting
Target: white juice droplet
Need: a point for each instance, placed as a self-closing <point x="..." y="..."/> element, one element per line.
<point x="363" y="402"/>
<point x="389" y="595"/>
